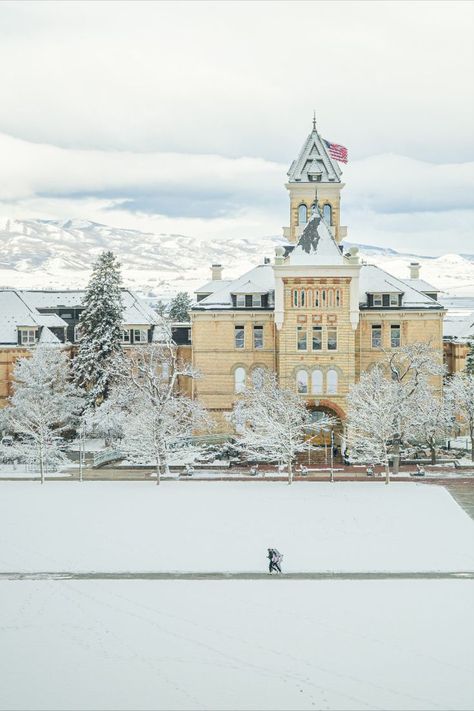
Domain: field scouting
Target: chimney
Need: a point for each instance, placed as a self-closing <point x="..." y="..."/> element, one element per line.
<point x="266" y="260"/>
<point x="414" y="270"/>
<point x="353" y="257"/>
<point x="216" y="272"/>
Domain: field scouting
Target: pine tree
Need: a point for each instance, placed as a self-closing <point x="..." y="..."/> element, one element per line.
<point x="100" y="327"/>
<point x="470" y="359"/>
<point x="180" y="306"/>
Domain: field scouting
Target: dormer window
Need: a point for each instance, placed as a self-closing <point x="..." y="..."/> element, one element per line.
<point x="384" y="300"/>
<point x="28" y="336"/>
<point x="250" y="301"/>
<point x="378" y="300"/>
<point x="393" y="300"/>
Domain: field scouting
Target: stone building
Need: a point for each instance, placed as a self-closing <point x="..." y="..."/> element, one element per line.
<point x="317" y="315"/>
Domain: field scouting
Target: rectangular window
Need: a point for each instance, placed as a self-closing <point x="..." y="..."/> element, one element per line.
<point x="126" y="337"/>
<point x="140" y="335"/>
<point x="317" y="338"/>
<point x="376" y="336"/>
<point x="378" y="301"/>
<point x="248" y="301"/>
<point x="332" y="339"/>
<point x="301" y="338"/>
<point x="28" y="337"/>
<point x="395" y="336"/>
<point x="393" y="299"/>
<point x="257" y="300"/>
<point x="239" y="336"/>
<point x="240" y="301"/>
<point x="258" y="336"/>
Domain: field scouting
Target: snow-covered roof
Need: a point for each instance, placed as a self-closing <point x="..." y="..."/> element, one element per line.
<point x="211" y="286"/>
<point x="314" y="159"/>
<point x="136" y="312"/>
<point x="459" y="326"/>
<point x="260" y="278"/>
<point x="373" y="280"/>
<point x="316" y="244"/>
<point x="421" y="285"/>
<point x="15" y="312"/>
<point x="48" y="338"/>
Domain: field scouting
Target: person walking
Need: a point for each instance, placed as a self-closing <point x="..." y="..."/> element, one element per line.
<point x="274" y="558"/>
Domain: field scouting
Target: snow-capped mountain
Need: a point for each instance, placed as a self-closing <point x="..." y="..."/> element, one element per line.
<point x="59" y="254"/>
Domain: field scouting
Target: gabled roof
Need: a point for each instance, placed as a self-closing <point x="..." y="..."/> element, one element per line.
<point x="211" y="286"/>
<point x="258" y="280"/>
<point x="15" y="312"/>
<point x="372" y="280"/>
<point x="314" y="159"/>
<point x="421" y="285"/>
<point x="136" y="312"/>
<point x="316" y="244"/>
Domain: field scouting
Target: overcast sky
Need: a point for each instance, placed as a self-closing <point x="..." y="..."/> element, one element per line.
<point x="184" y="117"/>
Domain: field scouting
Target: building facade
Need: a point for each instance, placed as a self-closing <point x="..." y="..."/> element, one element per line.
<point x="317" y="316"/>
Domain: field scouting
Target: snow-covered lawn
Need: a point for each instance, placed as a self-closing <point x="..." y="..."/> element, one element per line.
<point x="228" y="526"/>
<point x="269" y="645"/>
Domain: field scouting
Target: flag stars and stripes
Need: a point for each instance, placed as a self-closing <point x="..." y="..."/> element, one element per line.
<point x="336" y="151"/>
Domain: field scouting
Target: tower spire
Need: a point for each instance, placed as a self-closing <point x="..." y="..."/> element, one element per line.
<point x="314" y="120"/>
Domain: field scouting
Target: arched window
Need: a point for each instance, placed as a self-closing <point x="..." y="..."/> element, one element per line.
<point x="316" y="298"/>
<point x="316" y="382"/>
<point x="331" y="382"/>
<point x="314" y="208"/>
<point x="302" y="215"/>
<point x="239" y="379"/>
<point x="330" y="297"/>
<point x="295" y="297"/>
<point x="309" y="298"/>
<point x="327" y="213"/>
<point x="302" y="382"/>
<point x="303" y="297"/>
<point x="324" y="298"/>
<point x="338" y="297"/>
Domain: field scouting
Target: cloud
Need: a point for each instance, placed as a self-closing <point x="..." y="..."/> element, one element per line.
<point x="239" y="78"/>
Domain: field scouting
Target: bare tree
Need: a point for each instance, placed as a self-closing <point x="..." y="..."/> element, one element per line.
<point x="160" y="416"/>
<point x="460" y="392"/>
<point x="273" y="422"/>
<point x="45" y="403"/>
<point x="373" y="413"/>
<point x="434" y="414"/>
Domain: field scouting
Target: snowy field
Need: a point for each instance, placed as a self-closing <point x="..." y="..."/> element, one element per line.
<point x="228" y="526"/>
<point x="267" y="645"/>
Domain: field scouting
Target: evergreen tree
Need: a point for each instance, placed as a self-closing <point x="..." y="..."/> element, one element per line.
<point x="180" y="306"/>
<point x="100" y="327"/>
<point x="470" y="359"/>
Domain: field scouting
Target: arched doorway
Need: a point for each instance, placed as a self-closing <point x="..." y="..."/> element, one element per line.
<point x="324" y="439"/>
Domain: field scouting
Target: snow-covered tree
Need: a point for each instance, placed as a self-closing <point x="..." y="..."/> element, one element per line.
<point x="374" y="411"/>
<point x="432" y="419"/>
<point x="44" y="404"/>
<point x="273" y="422"/>
<point x="100" y="329"/>
<point x="161" y="417"/>
<point x="470" y="359"/>
<point x="180" y="307"/>
<point x="412" y="367"/>
<point x="460" y="392"/>
<point x="385" y="406"/>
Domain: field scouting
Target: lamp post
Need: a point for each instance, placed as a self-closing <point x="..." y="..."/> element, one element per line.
<point x="332" y="455"/>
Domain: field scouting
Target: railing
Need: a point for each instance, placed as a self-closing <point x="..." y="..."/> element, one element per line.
<point x="106" y="456"/>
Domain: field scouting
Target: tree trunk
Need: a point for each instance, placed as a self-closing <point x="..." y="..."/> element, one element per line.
<point x="387" y="472"/>
<point x="158" y="472"/>
<point x="472" y="449"/>
<point x="396" y="458"/>
<point x="433" y="453"/>
<point x="41" y="463"/>
<point x="290" y="472"/>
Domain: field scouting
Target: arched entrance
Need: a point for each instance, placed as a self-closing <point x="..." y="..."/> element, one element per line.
<point x="326" y="440"/>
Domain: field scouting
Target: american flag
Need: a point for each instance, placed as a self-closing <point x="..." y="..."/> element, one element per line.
<point x="336" y="151"/>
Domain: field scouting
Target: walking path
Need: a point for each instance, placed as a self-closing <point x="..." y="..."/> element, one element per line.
<point x="327" y="575"/>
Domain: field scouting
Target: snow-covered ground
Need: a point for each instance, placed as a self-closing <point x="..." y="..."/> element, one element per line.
<point x="228" y="526"/>
<point x="219" y="645"/>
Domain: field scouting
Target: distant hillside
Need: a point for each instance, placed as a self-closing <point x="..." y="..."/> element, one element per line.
<point x="55" y="254"/>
